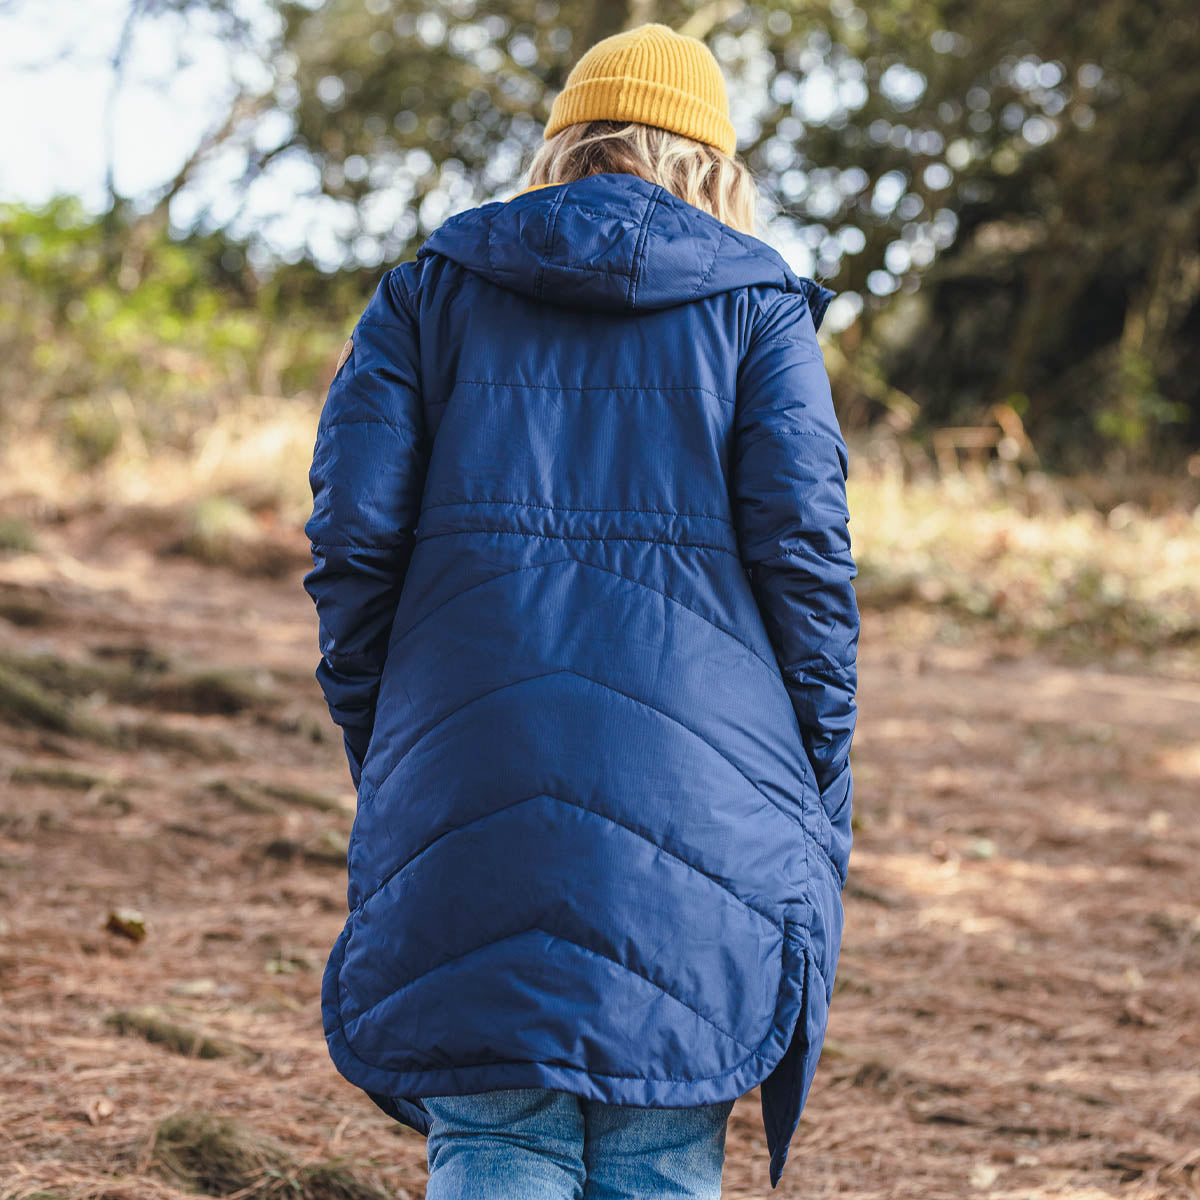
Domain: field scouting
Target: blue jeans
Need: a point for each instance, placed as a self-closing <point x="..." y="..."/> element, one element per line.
<point x="538" y="1144"/>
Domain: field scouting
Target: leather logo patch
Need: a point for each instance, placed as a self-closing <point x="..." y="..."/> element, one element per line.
<point x="345" y="354"/>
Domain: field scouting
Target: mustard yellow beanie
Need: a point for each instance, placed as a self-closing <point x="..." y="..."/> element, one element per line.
<point x="653" y="75"/>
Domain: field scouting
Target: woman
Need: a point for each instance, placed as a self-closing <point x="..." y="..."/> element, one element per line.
<point x="583" y="578"/>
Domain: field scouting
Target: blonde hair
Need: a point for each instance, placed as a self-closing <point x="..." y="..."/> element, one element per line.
<point x="694" y="171"/>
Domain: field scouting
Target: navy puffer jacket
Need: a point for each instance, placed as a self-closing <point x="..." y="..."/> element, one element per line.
<point x="583" y="579"/>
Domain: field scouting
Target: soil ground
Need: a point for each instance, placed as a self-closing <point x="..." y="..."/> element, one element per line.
<point x="1017" y="1006"/>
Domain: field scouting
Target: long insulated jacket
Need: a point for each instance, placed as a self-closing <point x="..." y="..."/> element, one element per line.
<point x="583" y="579"/>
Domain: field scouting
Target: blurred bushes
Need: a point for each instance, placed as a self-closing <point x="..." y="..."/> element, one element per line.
<point x="1030" y="556"/>
<point x="142" y="345"/>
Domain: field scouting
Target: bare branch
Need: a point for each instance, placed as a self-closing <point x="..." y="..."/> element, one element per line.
<point x="245" y="104"/>
<point x="702" y="22"/>
<point x="641" y="11"/>
<point x="117" y="63"/>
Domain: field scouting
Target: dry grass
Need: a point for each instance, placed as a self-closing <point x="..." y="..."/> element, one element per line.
<point x="1027" y="562"/>
<point x="220" y="1156"/>
<point x="256" y="453"/>
<point x="235" y="495"/>
<point x="161" y="1027"/>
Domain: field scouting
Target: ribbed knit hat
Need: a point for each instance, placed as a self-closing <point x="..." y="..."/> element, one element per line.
<point x="653" y="75"/>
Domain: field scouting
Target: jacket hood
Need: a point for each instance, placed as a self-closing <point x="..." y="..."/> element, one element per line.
<point x="612" y="242"/>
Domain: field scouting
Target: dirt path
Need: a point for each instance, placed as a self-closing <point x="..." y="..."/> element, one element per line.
<point x="1017" y="1009"/>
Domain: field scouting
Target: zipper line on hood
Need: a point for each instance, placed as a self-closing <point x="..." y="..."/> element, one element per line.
<point x="541" y="275"/>
<point x="639" y="254"/>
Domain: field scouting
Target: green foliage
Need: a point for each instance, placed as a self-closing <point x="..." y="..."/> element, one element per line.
<point x="16" y="536"/>
<point x="106" y="339"/>
<point x="91" y="428"/>
<point x="1140" y="410"/>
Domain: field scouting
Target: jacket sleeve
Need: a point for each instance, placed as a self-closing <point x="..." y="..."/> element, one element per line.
<point x="367" y="476"/>
<point x="789" y="480"/>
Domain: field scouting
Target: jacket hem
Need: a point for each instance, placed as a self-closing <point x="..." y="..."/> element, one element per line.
<point x="784" y="1062"/>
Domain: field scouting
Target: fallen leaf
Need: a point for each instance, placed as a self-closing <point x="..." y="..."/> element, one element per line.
<point x="127" y="922"/>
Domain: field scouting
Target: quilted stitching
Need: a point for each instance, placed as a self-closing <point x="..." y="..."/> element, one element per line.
<point x="776" y="922"/>
<point x="795" y="958"/>
<point x="556" y="933"/>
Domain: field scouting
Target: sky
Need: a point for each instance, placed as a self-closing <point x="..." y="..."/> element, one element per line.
<point x="55" y="70"/>
<point x="59" y="143"/>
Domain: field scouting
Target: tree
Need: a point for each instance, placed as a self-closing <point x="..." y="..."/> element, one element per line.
<point x="1008" y="195"/>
